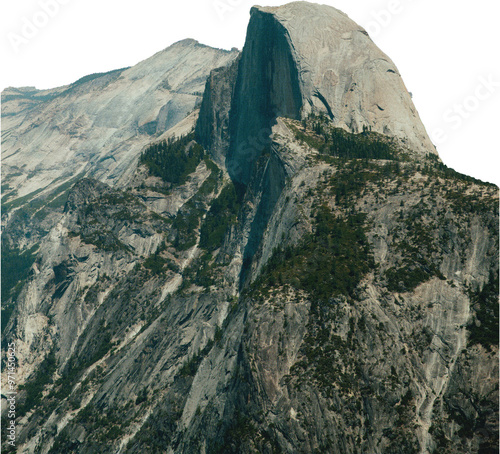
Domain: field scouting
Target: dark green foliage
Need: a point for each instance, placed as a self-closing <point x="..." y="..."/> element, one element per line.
<point x="185" y="223"/>
<point x="159" y="429"/>
<point x="105" y="240"/>
<point x="218" y="335"/>
<point x="410" y="275"/>
<point x="190" y="367"/>
<point x="241" y="428"/>
<point x="118" y="198"/>
<point x="222" y="214"/>
<point x="338" y="143"/>
<point x="98" y="347"/>
<point x="419" y="253"/>
<point x="462" y="203"/>
<point x="60" y="195"/>
<point x="367" y="145"/>
<point x="35" y="386"/>
<point x="102" y="217"/>
<point x="200" y="273"/>
<point x="188" y="218"/>
<point x="173" y="160"/>
<point x="63" y="443"/>
<point x="104" y="425"/>
<point x="28" y="199"/>
<point x="156" y="264"/>
<point x="211" y="183"/>
<point x="349" y="183"/>
<point x="330" y="262"/>
<point x="141" y="396"/>
<point x="312" y="141"/>
<point x="485" y="303"/>
<point x="16" y="265"/>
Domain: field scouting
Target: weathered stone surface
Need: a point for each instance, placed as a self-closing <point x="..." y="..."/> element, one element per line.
<point x="304" y="58"/>
<point x="98" y="126"/>
<point x="349" y="304"/>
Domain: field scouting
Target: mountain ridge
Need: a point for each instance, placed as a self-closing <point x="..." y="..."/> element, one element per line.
<point x="332" y="67"/>
<point x="300" y="284"/>
<point x="175" y="97"/>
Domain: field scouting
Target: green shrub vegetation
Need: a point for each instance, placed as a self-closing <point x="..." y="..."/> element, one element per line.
<point x="159" y="265"/>
<point x="106" y="241"/>
<point x="330" y="262"/>
<point x="419" y="252"/>
<point x="173" y="159"/>
<point x="240" y="428"/>
<point x="201" y="272"/>
<point x="349" y="183"/>
<point x="185" y="224"/>
<point x="190" y="367"/>
<point x="156" y="264"/>
<point x="222" y="214"/>
<point x="35" y="386"/>
<point x="211" y="183"/>
<point x="410" y="275"/>
<point x="319" y="133"/>
<point x="16" y="265"/>
<point x="101" y="345"/>
<point x="188" y="218"/>
<point x="485" y="303"/>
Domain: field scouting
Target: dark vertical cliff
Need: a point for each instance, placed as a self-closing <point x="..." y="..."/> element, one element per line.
<point x="297" y="272"/>
<point x="267" y="87"/>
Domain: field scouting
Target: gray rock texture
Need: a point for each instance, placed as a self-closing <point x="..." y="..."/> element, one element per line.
<point x="308" y="286"/>
<point x="98" y="125"/>
<point x="303" y="58"/>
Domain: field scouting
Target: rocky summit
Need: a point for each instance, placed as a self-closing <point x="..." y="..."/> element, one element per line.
<point x="244" y="252"/>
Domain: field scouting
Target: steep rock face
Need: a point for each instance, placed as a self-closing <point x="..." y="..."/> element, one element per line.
<point x="345" y="75"/>
<point x="303" y="58"/>
<point x="98" y="125"/>
<point x="212" y="127"/>
<point x="412" y="327"/>
<point x="162" y="348"/>
<point x="344" y="300"/>
<point x="267" y="86"/>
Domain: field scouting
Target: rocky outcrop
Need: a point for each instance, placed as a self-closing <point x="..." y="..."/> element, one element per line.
<point x="212" y="127"/>
<point x="339" y="293"/>
<point x="302" y="58"/>
<point x="98" y="125"/>
<point x="345" y="75"/>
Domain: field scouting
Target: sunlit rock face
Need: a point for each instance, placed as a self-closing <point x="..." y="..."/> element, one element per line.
<point x="272" y="282"/>
<point x="303" y="58"/>
<point x="98" y="125"/>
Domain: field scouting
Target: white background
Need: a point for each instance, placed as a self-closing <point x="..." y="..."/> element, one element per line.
<point x="447" y="52"/>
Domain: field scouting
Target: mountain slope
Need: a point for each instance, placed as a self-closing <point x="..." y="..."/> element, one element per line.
<point x="98" y="125"/>
<point x="291" y="67"/>
<point x="277" y="280"/>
